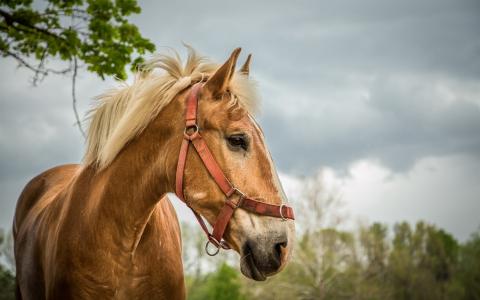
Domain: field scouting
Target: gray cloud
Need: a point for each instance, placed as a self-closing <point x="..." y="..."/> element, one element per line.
<point x="397" y="119"/>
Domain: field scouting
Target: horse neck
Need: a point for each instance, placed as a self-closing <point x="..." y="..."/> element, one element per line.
<point x="124" y="194"/>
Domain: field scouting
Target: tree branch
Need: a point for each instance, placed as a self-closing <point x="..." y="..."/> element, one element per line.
<point x="74" y="97"/>
<point x="39" y="76"/>
<point x="24" y="62"/>
<point x="62" y="13"/>
<point x="42" y="71"/>
<point x="10" y="19"/>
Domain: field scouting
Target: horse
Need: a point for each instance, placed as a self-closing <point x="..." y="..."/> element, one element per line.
<point x="106" y="229"/>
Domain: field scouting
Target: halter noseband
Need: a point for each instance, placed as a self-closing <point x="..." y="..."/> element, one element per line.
<point x="192" y="135"/>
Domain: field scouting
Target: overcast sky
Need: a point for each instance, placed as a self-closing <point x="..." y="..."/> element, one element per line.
<point x="382" y="96"/>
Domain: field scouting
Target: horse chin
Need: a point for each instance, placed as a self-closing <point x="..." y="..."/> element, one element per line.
<point x="249" y="268"/>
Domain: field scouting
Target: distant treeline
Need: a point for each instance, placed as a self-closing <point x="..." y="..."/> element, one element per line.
<point x="423" y="262"/>
<point x="7" y="278"/>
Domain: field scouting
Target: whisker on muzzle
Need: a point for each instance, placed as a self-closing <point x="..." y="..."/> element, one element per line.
<point x="245" y="256"/>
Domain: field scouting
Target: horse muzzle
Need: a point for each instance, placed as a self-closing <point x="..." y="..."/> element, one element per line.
<point x="264" y="256"/>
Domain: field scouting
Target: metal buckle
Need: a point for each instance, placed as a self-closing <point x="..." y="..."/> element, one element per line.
<point x="281" y="213"/>
<point x="210" y="243"/>
<point x="240" y="199"/>
<point x="236" y="190"/>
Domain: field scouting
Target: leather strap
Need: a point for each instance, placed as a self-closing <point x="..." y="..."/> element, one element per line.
<point x="193" y="136"/>
<point x="212" y="166"/>
<point x="191" y="107"/>
<point x="223" y="219"/>
<point x="262" y="208"/>
<point x="182" y="159"/>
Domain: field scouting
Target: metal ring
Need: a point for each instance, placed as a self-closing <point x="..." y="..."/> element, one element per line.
<point x="281" y="213"/>
<point x="211" y="253"/>
<point x="194" y="127"/>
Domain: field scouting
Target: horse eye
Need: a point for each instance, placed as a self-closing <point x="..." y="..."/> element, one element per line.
<point x="238" y="141"/>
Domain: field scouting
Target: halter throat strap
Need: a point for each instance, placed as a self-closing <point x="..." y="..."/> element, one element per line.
<point x="192" y="136"/>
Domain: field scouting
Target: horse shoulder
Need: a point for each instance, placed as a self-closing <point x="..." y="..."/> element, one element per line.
<point x="37" y="187"/>
<point x="34" y="199"/>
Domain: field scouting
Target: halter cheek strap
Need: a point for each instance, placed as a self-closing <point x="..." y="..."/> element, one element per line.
<point x="192" y="136"/>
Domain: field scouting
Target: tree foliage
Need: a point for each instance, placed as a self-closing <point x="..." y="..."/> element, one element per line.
<point x="223" y="284"/>
<point x="96" y="32"/>
<point x="7" y="284"/>
<point x="469" y="267"/>
<point x="7" y="279"/>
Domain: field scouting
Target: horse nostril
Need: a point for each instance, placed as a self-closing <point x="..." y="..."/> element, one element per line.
<point x="278" y="250"/>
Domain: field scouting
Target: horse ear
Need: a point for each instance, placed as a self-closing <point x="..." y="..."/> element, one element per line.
<point x="245" y="70"/>
<point x="218" y="83"/>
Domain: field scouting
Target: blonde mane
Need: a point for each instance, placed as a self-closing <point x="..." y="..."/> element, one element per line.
<point x="123" y="113"/>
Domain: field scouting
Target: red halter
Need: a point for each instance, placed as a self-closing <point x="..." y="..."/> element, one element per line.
<point x="192" y="135"/>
